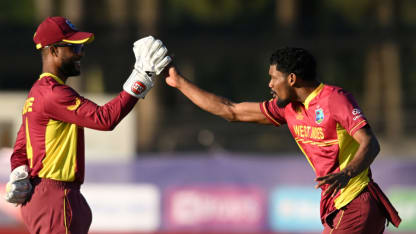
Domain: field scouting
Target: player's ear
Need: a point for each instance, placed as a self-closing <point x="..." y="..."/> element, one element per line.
<point x="291" y="79"/>
<point x="53" y="50"/>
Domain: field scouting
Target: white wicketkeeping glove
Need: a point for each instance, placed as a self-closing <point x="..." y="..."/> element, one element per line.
<point x="151" y="59"/>
<point x="18" y="188"/>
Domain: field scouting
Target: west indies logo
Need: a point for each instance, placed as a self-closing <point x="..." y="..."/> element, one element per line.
<point x="319" y="115"/>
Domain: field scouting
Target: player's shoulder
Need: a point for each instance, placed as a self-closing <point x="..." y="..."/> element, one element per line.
<point x="333" y="88"/>
<point x="339" y="97"/>
<point x="326" y="92"/>
<point x="47" y="82"/>
<point x="335" y="91"/>
<point x="53" y="90"/>
<point x="43" y="86"/>
<point x="63" y="93"/>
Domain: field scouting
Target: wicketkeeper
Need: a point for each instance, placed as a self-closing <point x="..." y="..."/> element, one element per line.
<point x="48" y="158"/>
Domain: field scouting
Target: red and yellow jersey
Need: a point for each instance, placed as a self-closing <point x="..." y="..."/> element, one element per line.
<point x="323" y="127"/>
<point x="51" y="137"/>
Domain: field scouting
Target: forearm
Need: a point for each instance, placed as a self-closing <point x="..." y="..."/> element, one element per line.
<point x="363" y="158"/>
<point x="108" y="116"/>
<point x="86" y="113"/>
<point x="207" y="101"/>
<point x="19" y="155"/>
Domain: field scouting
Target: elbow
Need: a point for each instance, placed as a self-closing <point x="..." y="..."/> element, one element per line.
<point x="231" y="117"/>
<point x="372" y="147"/>
<point x="106" y="126"/>
<point x="111" y="127"/>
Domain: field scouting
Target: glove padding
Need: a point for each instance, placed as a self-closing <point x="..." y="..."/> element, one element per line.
<point x="151" y="59"/>
<point x="150" y="55"/>
<point x="18" y="188"/>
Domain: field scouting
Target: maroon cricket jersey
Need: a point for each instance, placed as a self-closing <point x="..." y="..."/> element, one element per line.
<point x="323" y="127"/>
<point x="51" y="137"/>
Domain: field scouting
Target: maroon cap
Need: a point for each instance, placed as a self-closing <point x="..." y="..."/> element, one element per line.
<point x="59" y="29"/>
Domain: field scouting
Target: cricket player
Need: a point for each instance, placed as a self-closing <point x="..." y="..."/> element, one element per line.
<point x="48" y="158"/>
<point x="330" y="129"/>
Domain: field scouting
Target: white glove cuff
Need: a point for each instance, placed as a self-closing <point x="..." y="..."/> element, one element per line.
<point x="19" y="173"/>
<point x="138" y="84"/>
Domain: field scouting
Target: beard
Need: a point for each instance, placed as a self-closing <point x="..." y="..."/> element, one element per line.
<point x="282" y="102"/>
<point x="69" y="68"/>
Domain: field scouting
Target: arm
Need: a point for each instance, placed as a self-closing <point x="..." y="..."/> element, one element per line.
<point x="66" y="105"/>
<point x="243" y="112"/>
<point x="19" y="155"/>
<point x="18" y="188"/>
<point x="365" y="155"/>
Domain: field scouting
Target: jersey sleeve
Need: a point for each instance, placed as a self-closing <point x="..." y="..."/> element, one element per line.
<point x="346" y="111"/>
<point x="19" y="155"/>
<point x="65" y="104"/>
<point x="275" y="114"/>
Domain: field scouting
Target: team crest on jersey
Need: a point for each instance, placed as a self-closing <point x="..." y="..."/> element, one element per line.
<point x="319" y="115"/>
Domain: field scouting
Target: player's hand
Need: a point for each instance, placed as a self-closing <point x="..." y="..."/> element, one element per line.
<point x="151" y="59"/>
<point x="18" y="188"/>
<point x="150" y="55"/>
<point x="173" y="79"/>
<point x="336" y="182"/>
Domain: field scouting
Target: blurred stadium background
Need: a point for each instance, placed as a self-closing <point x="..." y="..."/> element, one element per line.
<point x="170" y="167"/>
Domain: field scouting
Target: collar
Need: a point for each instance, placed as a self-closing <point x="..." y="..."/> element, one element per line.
<point x="51" y="75"/>
<point x="312" y="95"/>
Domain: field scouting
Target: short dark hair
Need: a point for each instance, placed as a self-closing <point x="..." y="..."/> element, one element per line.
<point x="295" y="60"/>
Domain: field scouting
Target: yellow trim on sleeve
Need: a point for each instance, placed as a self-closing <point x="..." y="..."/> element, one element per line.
<point x="358" y="124"/>
<point x="268" y="114"/>
<point x="51" y="75"/>
<point x="313" y="95"/>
